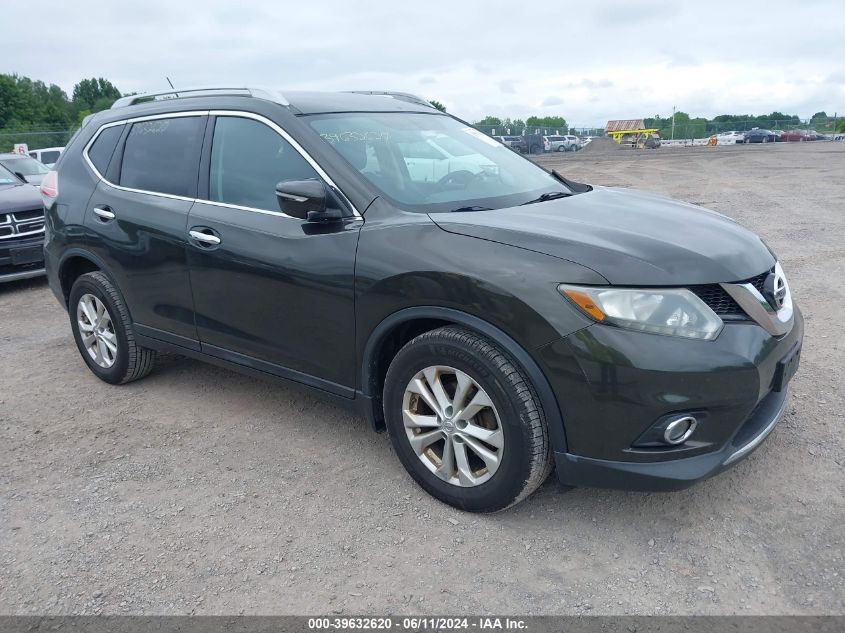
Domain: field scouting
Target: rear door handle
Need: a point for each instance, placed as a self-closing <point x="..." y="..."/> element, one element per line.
<point x="203" y="237"/>
<point x="104" y="213"/>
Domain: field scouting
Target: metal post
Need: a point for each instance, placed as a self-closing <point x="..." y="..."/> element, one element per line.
<point x="673" y="123"/>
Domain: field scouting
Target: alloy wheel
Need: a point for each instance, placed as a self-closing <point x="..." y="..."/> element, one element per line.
<point x="453" y="426"/>
<point x="96" y="330"/>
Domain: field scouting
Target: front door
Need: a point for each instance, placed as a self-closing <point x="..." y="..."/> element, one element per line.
<point x="271" y="291"/>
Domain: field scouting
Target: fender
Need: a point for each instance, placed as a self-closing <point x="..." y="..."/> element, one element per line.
<point x="526" y="362"/>
<point x="91" y="257"/>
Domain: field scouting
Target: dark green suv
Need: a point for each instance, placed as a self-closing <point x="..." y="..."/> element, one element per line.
<point x="500" y="321"/>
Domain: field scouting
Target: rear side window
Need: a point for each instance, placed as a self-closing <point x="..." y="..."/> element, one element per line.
<point x="102" y="149"/>
<point x="248" y="160"/>
<point x="162" y="156"/>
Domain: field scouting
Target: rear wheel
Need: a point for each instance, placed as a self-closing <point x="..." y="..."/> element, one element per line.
<point x="465" y="422"/>
<point x="104" y="333"/>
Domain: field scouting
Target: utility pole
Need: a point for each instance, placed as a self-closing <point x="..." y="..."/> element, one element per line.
<point x="673" y="123"/>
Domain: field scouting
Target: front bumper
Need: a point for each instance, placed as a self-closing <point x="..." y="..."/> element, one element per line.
<point x="676" y="474"/>
<point x="12" y="271"/>
<point x="612" y="385"/>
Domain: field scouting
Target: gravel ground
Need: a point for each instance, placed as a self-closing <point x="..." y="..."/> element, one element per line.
<point x="198" y="490"/>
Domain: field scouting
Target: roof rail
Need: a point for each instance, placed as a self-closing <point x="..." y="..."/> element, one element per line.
<point x="207" y="91"/>
<point x="402" y="96"/>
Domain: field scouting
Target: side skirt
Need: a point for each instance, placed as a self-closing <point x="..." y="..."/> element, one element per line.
<point x="349" y="398"/>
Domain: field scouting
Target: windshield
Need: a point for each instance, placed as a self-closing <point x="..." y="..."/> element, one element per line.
<point x="433" y="163"/>
<point x="7" y="177"/>
<point x="24" y="165"/>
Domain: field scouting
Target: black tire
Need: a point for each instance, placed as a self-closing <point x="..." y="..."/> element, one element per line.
<point x="526" y="458"/>
<point x="131" y="361"/>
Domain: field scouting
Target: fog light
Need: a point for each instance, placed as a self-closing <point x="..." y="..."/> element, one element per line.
<point x="679" y="430"/>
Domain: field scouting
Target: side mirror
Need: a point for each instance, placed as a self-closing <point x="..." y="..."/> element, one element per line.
<point x="306" y="199"/>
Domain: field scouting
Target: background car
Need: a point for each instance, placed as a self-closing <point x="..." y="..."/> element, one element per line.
<point x="514" y="142"/>
<point x="798" y="135"/>
<point x="21" y="228"/>
<point x="47" y="155"/>
<point x="561" y="143"/>
<point x="730" y="138"/>
<point x="758" y="135"/>
<point x="26" y="168"/>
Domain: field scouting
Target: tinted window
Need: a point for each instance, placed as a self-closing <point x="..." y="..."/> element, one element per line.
<point x="161" y="156"/>
<point x="102" y="149"/>
<point x="248" y="160"/>
<point x="48" y="158"/>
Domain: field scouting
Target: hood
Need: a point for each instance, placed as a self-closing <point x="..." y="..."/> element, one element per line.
<point x="35" y="179"/>
<point x="628" y="237"/>
<point x="19" y="198"/>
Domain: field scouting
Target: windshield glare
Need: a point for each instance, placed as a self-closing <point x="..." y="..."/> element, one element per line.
<point x="7" y="177"/>
<point x="432" y="163"/>
<point x="25" y="165"/>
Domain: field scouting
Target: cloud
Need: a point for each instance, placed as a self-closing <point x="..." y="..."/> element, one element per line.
<point x="618" y="60"/>
<point x="508" y="86"/>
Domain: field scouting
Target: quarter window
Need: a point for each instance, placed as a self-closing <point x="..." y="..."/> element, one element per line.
<point x="248" y="160"/>
<point x="162" y="156"/>
<point x="102" y="149"/>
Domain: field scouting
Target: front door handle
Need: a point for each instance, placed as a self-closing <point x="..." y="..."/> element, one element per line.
<point x="104" y="213"/>
<point x="204" y="238"/>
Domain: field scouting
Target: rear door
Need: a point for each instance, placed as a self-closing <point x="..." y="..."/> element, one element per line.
<point x="137" y="217"/>
<point x="271" y="291"/>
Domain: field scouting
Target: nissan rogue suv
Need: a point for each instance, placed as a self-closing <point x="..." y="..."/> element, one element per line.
<point x="499" y="320"/>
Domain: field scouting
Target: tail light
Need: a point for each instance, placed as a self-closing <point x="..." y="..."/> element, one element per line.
<point x="50" y="188"/>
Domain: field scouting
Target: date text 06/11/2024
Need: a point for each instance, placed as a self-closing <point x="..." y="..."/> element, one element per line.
<point x="418" y="623"/>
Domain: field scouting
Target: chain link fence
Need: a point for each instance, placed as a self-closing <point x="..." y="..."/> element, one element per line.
<point x="34" y="139"/>
<point x="825" y="127"/>
<point x="694" y="129"/>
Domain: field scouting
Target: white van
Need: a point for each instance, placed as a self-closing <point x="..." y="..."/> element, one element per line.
<point x="48" y="155"/>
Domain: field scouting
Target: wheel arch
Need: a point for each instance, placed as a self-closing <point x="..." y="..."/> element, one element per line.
<point x="404" y="324"/>
<point x="75" y="263"/>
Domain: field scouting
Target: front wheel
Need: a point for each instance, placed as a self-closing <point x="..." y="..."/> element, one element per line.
<point x="465" y="422"/>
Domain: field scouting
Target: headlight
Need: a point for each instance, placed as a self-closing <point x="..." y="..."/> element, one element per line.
<point x="672" y="311"/>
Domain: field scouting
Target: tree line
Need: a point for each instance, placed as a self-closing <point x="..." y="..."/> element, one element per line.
<point x="42" y="115"/>
<point x="699" y="127"/>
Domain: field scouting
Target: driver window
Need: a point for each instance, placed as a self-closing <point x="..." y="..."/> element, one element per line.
<point x="248" y="159"/>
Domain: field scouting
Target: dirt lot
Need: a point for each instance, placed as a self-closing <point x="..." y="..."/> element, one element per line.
<point x="198" y="490"/>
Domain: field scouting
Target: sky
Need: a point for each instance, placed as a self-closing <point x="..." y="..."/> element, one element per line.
<point x="588" y="61"/>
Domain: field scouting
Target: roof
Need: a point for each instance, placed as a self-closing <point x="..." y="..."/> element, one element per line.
<point x="299" y="102"/>
<point x="324" y="102"/>
<point x="620" y="125"/>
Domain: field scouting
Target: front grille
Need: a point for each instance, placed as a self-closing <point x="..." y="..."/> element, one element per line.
<point x="719" y="301"/>
<point x="21" y="216"/>
<point x="21" y="223"/>
<point x="758" y="281"/>
<point x="722" y="303"/>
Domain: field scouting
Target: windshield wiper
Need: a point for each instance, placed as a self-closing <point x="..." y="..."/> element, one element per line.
<point x="471" y="208"/>
<point x="552" y="195"/>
